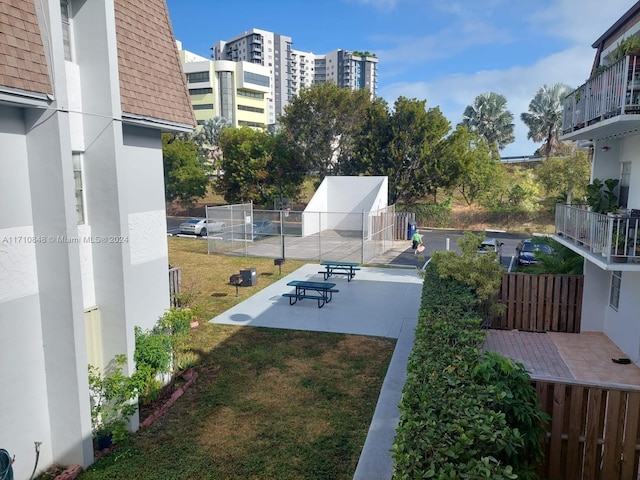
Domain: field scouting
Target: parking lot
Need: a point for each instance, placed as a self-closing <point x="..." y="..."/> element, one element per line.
<point x="434" y="239"/>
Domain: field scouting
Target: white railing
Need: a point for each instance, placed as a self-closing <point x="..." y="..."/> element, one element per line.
<point x="614" y="91"/>
<point x="615" y="237"/>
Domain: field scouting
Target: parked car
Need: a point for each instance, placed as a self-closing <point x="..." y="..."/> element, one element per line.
<point x="262" y="228"/>
<point x="201" y="226"/>
<point x="491" y="245"/>
<point x="526" y="251"/>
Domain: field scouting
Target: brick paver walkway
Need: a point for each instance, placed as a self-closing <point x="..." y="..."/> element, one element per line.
<point x="536" y="351"/>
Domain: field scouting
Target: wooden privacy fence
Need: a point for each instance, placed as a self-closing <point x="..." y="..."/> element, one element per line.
<point x="540" y="303"/>
<point x="593" y="433"/>
<point x="174" y="286"/>
<point x="401" y="224"/>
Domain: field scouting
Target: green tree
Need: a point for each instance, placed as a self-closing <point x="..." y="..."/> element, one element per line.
<point x="207" y="137"/>
<point x="414" y="133"/>
<point x="372" y="143"/>
<point x="258" y="167"/>
<point x="544" y="118"/>
<point x="565" y="177"/>
<point x="484" y="173"/>
<point x="489" y="117"/>
<point x="184" y="180"/>
<point x="321" y="124"/>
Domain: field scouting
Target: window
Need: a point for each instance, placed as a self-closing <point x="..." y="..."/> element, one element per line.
<point x="247" y="93"/>
<point x="206" y="106"/>
<point x="250" y="109"/>
<point x="256" y="79"/>
<point x="66" y="29"/>
<point x="200" y="91"/>
<point x="78" y="187"/>
<point x="197" y="77"/>
<point x="250" y="124"/>
<point x="614" y="293"/>
<point x="625" y="181"/>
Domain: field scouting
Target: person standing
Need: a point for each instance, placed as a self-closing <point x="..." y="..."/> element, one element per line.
<point x="416" y="241"/>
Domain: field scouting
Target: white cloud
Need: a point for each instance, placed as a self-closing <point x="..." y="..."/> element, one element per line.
<point x="581" y="23"/>
<point x="452" y="93"/>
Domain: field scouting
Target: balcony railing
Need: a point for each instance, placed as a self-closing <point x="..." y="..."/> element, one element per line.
<point x="613" y="239"/>
<point x="615" y="91"/>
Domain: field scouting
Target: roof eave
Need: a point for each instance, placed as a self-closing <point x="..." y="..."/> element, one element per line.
<point x="24" y="98"/>
<point x="151" y="122"/>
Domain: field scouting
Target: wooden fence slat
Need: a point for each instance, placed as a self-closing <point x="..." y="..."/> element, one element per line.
<point x="629" y="452"/>
<point x="555" y="316"/>
<point x="591" y="447"/>
<point x="511" y="306"/>
<point x="540" y="320"/>
<point x="575" y="447"/>
<point x="611" y="452"/>
<point x="579" y="304"/>
<point x="571" y="311"/>
<point x="548" y="311"/>
<point x="555" y="460"/>
<point x="533" y="323"/>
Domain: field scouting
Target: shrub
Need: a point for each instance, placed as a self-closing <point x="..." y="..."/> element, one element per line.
<point x="462" y="415"/>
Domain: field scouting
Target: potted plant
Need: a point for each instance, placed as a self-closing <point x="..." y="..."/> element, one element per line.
<point x="628" y="46"/>
<point x="618" y="241"/>
<point x="112" y="403"/>
<point x="601" y="195"/>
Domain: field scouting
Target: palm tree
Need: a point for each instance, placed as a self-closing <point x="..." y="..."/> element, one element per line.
<point x="489" y="117"/>
<point x="545" y="117"/>
<point x="207" y="137"/>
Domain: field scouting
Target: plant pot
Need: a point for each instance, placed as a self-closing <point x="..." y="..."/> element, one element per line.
<point x="104" y="440"/>
<point x="618" y="259"/>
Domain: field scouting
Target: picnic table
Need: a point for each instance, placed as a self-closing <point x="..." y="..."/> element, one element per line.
<point x="321" y="291"/>
<point x="339" y="268"/>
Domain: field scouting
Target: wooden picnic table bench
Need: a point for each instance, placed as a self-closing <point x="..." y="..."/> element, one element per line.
<point x="320" y="291"/>
<point x="339" y="268"/>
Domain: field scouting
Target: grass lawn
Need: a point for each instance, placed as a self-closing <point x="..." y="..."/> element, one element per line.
<point x="267" y="403"/>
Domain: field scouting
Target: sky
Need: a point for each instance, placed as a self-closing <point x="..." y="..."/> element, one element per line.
<point x="446" y="52"/>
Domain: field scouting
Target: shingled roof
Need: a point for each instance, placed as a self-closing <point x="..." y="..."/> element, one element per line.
<point x="152" y="83"/>
<point x="23" y="65"/>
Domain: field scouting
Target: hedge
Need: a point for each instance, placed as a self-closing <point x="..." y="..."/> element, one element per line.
<point x="463" y="414"/>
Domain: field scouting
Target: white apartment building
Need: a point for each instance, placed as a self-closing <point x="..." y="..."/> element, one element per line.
<point x="86" y="89"/>
<point x="235" y="90"/>
<point x="354" y="70"/>
<point x="291" y="70"/>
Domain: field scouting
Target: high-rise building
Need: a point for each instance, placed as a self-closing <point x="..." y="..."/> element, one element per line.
<point x="235" y="90"/>
<point x="291" y="70"/>
<point x="264" y="48"/>
<point x="355" y="70"/>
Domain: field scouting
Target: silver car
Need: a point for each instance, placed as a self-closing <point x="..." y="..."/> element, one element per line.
<point x="201" y="226"/>
<point x="491" y="245"/>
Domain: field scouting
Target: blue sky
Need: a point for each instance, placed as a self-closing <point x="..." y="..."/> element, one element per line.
<point x="443" y="51"/>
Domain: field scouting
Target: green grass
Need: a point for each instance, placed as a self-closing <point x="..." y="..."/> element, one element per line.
<point x="267" y="403"/>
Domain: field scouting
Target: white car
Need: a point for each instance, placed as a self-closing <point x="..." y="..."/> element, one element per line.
<point x="201" y="226"/>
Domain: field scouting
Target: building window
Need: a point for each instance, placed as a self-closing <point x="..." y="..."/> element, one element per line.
<point x="65" y="11"/>
<point x="242" y="123"/>
<point x="250" y="94"/>
<point x="197" y="77"/>
<point x="614" y="293"/>
<point x="250" y="109"/>
<point x="206" y="106"/>
<point x="200" y="122"/>
<point x="226" y="93"/>
<point x="78" y="187"/>
<point x="256" y="79"/>
<point x="200" y="91"/>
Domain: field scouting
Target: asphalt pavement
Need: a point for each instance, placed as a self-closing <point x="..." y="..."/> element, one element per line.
<point x="435" y="239"/>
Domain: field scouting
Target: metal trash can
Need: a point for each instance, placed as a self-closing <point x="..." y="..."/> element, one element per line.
<point x="249" y="277"/>
<point x="411" y="229"/>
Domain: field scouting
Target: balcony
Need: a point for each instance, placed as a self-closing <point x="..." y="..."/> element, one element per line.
<point x="609" y="101"/>
<point x="592" y="236"/>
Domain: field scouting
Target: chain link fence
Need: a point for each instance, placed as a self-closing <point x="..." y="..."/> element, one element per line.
<point x="338" y="236"/>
